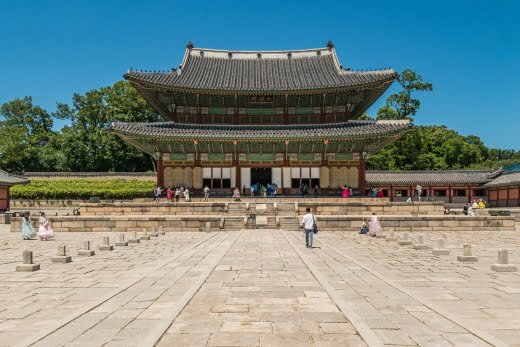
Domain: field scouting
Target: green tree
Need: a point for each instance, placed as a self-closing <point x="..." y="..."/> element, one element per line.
<point x="88" y="144"/>
<point x="25" y="131"/>
<point x="403" y="105"/>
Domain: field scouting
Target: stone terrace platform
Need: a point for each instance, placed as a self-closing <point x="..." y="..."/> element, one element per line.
<point x="343" y="215"/>
<point x="260" y="288"/>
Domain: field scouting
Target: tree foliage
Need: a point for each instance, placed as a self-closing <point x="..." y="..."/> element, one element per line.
<point x="403" y="105"/>
<point x="27" y="142"/>
<point x="437" y="147"/>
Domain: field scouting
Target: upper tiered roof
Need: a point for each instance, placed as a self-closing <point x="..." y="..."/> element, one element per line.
<point x="261" y="71"/>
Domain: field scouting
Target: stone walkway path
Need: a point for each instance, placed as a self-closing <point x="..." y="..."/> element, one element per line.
<point x="260" y="288"/>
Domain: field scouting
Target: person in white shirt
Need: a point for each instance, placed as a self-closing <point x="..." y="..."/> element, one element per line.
<point x="206" y="193"/>
<point x="308" y="222"/>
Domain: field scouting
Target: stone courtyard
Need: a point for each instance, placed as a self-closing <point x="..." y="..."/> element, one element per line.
<point x="260" y="288"/>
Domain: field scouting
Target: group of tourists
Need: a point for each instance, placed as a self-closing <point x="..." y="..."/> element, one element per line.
<point x="304" y="189"/>
<point x="372" y="227"/>
<point x="258" y="189"/>
<point x="176" y="193"/>
<point x="346" y="191"/>
<point x="44" y="233"/>
<point x="476" y="204"/>
<point x="376" y="192"/>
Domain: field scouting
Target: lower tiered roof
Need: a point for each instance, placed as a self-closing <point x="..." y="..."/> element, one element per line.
<point x="8" y="180"/>
<point x="350" y="136"/>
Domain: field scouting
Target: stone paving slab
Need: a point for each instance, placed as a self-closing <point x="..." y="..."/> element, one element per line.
<point x="260" y="288"/>
<point x="262" y="295"/>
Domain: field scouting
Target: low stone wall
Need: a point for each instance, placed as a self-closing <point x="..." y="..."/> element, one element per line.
<point x="411" y="223"/>
<point x="215" y="223"/>
<point x="44" y="203"/>
<point x="379" y="207"/>
<point x="283" y="208"/>
<point x="130" y="223"/>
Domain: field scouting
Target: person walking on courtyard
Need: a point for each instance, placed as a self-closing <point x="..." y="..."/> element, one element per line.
<point x="244" y="190"/>
<point x="275" y="187"/>
<point x="379" y="193"/>
<point x="374" y="227"/>
<point x="206" y="193"/>
<point x="181" y="192"/>
<point x="187" y="195"/>
<point x="27" y="228"/>
<point x="418" y="189"/>
<point x="350" y="191"/>
<point x="176" y="194"/>
<point x="316" y="191"/>
<point x="308" y="223"/>
<point x="45" y="232"/>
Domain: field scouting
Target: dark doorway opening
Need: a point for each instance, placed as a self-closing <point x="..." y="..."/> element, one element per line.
<point x="262" y="175"/>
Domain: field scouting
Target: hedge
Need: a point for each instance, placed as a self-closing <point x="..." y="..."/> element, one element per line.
<point x="83" y="189"/>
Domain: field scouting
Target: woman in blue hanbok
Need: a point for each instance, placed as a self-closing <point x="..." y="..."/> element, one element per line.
<point x="27" y="228"/>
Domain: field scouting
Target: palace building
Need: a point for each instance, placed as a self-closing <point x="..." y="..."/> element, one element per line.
<point x="237" y="118"/>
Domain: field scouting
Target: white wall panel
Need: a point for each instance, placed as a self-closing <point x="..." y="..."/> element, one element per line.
<point x="295" y="172"/>
<point x="286" y="177"/>
<point x="206" y="172"/>
<point x="245" y="176"/>
<point x="232" y="172"/>
<point x="226" y="172"/>
<point x="306" y="172"/>
<point x="276" y="175"/>
<point x="315" y="172"/>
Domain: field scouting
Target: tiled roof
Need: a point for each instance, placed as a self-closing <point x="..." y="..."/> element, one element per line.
<point x="505" y="179"/>
<point x="8" y="180"/>
<point x="261" y="71"/>
<point x="171" y="130"/>
<point x="427" y="177"/>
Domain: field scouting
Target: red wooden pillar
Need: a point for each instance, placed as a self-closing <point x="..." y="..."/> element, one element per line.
<point x="362" y="177"/>
<point x="8" y="200"/>
<point x="391" y="193"/>
<point x="160" y="172"/>
<point x="450" y="194"/>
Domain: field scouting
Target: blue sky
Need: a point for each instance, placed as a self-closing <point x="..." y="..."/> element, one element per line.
<point x="469" y="50"/>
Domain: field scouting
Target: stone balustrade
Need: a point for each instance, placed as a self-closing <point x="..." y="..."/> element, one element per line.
<point x="321" y="207"/>
<point x="206" y="222"/>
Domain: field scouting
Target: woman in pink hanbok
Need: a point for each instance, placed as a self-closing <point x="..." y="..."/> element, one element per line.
<point x="344" y="192"/>
<point x="45" y="232"/>
<point x="374" y="227"/>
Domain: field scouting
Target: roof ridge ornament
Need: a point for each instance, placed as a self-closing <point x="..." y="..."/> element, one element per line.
<point x="330" y="45"/>
<point x="190" y="45"/>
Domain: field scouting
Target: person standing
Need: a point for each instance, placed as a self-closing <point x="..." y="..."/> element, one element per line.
<point x="206" y="193"/>
<point x="374" y="227"/>
<point x="169" y="194"/>
<point x="187" y="195"/>
<point x="177" y="193"/>
<point x="419" y="191"/>
<point x="244" y="190"/>
<point x="308" y="223"/>
<point x="316" y="191"/>
<point x="27" y="228"/>
<point x="45" y="232"/>
<point x="236" y="195"/>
